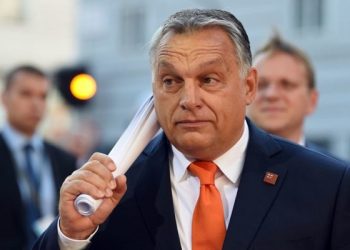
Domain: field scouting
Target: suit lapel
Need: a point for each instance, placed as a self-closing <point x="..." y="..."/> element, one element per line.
<point x="255" y="197"/>
<point x="253" y="202"/>
<point x="9" y="185"/>
<point x="154" y="197"/>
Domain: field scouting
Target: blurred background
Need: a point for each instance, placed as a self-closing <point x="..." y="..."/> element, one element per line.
<point x="108" y="40"/>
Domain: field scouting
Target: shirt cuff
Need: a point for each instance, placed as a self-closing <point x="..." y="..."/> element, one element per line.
<point x="66" y="243"/>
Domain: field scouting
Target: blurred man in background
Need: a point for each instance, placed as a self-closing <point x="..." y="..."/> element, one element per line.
<point x="286" y="93"/>
<point x="32" y="169"/>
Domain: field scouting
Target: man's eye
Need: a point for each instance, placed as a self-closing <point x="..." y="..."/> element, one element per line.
<point x="289" y="85"/>
<point x="208" y="80"/>
<point x="25" y="93"/>
<point x="263" y="85"/>
<point x="168" y="81"/>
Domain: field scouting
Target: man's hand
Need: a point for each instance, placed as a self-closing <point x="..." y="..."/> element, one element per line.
<point x="95" y="179"/>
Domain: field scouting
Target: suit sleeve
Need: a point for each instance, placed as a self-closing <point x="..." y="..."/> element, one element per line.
<point x="49" y="239"/>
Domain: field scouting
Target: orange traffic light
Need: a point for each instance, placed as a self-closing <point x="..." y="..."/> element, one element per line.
<point x="83" y="86"/>
<point x="76" y="85"/>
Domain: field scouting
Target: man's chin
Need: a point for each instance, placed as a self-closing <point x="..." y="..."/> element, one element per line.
<point x="271" y="124"/>
<point x="192" y="148"/>
<point x="273" y="129"/>
<point x="30" y="129"/>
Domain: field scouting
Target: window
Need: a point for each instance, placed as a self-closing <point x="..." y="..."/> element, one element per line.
<point x="309" y="14"/>
<point x="133" y="28"/>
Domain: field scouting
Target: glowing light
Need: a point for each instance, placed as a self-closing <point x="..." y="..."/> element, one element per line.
<point x="83" y="87"/>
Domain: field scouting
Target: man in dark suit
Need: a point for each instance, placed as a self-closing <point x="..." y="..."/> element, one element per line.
<point x="273" y="194"/>
<point x="29" y="198"/>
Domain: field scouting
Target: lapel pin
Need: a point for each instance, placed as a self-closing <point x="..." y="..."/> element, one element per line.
<point x="270" y="178"/>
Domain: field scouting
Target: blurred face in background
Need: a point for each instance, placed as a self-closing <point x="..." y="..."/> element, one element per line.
<point x="284" y="97"/>
<point x="25" y="101"/>
<point x="200" y="97"/>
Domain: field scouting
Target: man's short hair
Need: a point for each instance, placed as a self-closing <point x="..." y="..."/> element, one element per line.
<point x="187" y="21"/>
<point x="30" y="69"/>
<point x="277" y="45"/>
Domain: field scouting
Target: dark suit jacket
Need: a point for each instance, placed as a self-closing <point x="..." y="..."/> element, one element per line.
<point x="308" y="207"/>
<point x="12" y="229"/>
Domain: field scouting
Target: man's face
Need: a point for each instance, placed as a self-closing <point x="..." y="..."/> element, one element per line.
<point x="200" y="98"/>
<point x="25" y="101"/>
<point x="283" y="98"/>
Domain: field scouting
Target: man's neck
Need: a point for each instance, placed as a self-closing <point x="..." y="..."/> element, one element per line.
<point x="296" y="137"/>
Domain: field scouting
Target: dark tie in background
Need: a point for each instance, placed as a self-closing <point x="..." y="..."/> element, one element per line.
<point x="32" y="203"/>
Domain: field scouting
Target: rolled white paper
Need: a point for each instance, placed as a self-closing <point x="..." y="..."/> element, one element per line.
<point x="134" y="139"/>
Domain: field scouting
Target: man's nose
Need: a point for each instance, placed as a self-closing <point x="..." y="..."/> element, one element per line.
<point x="190" y="96"/>
<point x="38" y="102"/>
<point x="272" y="91"/>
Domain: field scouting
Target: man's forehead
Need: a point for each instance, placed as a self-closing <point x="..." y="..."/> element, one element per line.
<point x="189" y="42"/>
<point x="28" y="79"/>
<point x="202" y="63"/>
<point x="273" y="55"/>
<point x="204" y="56"/>
<point x="24" y="75"/>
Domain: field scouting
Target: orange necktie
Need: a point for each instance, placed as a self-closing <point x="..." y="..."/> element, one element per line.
<point x="208" y="225"/>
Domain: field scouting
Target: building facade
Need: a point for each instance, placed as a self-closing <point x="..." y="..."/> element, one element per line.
<point x="37" y="32"/>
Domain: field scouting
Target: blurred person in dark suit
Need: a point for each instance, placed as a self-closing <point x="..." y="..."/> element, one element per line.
<point x="31" y="169"/>
<point x="210" y="180"/>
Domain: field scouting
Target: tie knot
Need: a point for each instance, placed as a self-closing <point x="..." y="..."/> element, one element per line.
<point x="28" y="147"/>
<point x="205" y="170"/>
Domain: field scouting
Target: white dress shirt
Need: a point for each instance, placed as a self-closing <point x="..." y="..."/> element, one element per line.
<point x="185" y="190"/>
<point x="185" y="186"/>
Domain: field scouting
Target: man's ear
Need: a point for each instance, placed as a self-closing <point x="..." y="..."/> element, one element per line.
<point x="4" y="98"/>
<point x="251" y="84"/>
<point x="313" y="101"/>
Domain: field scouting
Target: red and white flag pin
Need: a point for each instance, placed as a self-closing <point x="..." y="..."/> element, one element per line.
<point x="270" y="178"/>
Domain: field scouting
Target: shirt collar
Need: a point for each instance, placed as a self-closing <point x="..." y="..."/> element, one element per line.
<point x="16" y="140"/>
<point x="230" y="163"/>
<point x="302" y="141"/>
